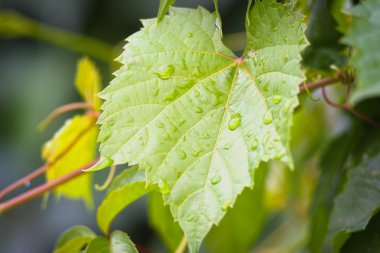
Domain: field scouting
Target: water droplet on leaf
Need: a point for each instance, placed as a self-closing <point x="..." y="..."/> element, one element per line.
<point x="234" y="121"/>
<point x="163" y="186"/>
<point x="267" y="118"/>
<point x="226" y="205"/>
<point x="215" y="179"/>
<point x="181" y="154"/>
<point x="198" y="109"/>
<point x="165" y="72"/>
<point x="27" y="184"/>
<point x="190" y="217"/>
<point x="276" y="99"/>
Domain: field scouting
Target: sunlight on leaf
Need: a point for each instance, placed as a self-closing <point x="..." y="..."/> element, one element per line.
<point x="197" y="119"/>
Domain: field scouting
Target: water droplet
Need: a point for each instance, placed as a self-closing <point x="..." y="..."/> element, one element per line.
<point x="234" y="121"/>
<point x="249" y="133"/>
<point x="140" y="137"/>
<point x="172" y="95"/>
<point x="217" y="24"/>
<point x="196" y="151"/>
<point x="267" y="118"/>
<point x="197" y="93"/>
<point x="189" y="35"/>
<point x="227" y="146"/>
<point x="190" y="217"/>
<point x="185" y="84"/>
<point x="197" y="72"/>
<point x="155" y="93"/>
<point x="165" y="72"/>
<point x="130" y="119"/>
<point x="181" y="154"/>
<point x="274" y="28"/>
<point x="163" y="186"/>
<point x="226" y="205"/>
<point x="111" y="122"/>
<point x="286" y="58"/>
<point x="276" y="99"/>
<point x="286" y="39"/>
<point x="198" y="109"/>
<point x="215" y="179"/>
<point x="254" y="144"/>
<point x="27" y="184"/>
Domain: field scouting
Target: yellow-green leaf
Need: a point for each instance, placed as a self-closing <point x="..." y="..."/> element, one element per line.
<point x="72" y="147"/>
<point x="87" y="82"/>
<point x="74" y="239"/>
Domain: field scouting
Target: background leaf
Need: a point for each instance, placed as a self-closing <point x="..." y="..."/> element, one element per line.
<point x="74" y="239"/>
<point x="363" y="37"/>
<point x="162" y="221"/>
<point x="182" y="109"/>
<point x="126" y="188"/>
<point x="360" y="199"/>
<point x="77" y="136"/>
<point x="87" y="82"/>
<point x="163" y="8"/>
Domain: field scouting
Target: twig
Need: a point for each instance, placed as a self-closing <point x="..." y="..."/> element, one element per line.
<point x="108" y="181"/>
<point x="318" y="84"/>
<point x="63" y="109"/>
<point x="23" y="180"/>
<point x="33" y="193"/>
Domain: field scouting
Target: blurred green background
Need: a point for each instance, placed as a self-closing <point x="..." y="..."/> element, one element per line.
<point x="36" y="77"/>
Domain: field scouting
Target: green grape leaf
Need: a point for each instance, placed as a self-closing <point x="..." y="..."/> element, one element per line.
<point x="119" y="242"/>
<point x="332" y="164"/>
<point x="87" y="82"/>
<point x="163" y="8"/>
<point x="126" y="188"/>
<point x="74" y="239"/>
<point x="359" y="201"/>
<point x="243" y="223"/>
<point x="197" y="119"/>
<point x="364" y="37"/>
<point x="162" y="221"/>
<point x="77" y="136"/>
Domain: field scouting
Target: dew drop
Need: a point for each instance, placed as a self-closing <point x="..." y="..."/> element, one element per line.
<point x="249" y="133"/>
<point x="227" y="146"/>
<point x="155" y="93"/>
<point x="267" y="118"/>
<point x="159" y="124"/>
<point x="254" y="144"/>
<point x="276" y="99"/>
<point x="27" y="184"/>
<point x="163" y="186"/>
<point x="181" y="154"/>
<point x="189" y="35"/>
<point x="190" y="217"/>
<point x="111" y="122"/>
<point x="198" y="109"/>
<point x="196" y="152"/>
<point x="234" y="121"/>
<point x="226" y="205"/>
<point x="215" y="179"/>
<point x="170" y="96"/>
<point x="165" y="72"/>
<point x="197" y="72"/>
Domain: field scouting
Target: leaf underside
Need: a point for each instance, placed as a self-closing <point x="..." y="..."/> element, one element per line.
<point x="197" y="119"/>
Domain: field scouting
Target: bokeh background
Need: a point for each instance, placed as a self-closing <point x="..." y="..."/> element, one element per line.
<point x="36" y="77"/>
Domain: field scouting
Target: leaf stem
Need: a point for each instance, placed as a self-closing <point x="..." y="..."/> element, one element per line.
<point x="182" y="245"/>
<point x="108" y="181"/>
<point x="23" y="180"/>
<point x="33" y="193"/>
<point x="318" y="84"/>
<point x="63" y="109"/>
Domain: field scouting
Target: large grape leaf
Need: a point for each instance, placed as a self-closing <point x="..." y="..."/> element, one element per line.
<point x="198" y="119"/>
<point x="364" y="37"/>
<point x="73" y="146"/>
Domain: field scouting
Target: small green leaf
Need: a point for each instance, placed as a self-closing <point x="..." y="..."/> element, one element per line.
<point x="87" y="82"/>
<point x="74" y="239"/>
<point x="162" y="221"/>
<point x="364" y="37"/>
<point x="189" y="112"/>
<point x="163" y="9"/>
<point x="126" y="188"/>
<point x="99" y="245"/>
<point x="77" y="136"/>
<point x="119" y="243"/>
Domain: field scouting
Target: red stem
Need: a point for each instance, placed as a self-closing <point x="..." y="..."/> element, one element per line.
<point x="29" y="195"/>
<point x="23" y="180"/>
<point x="319" y="83"/>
